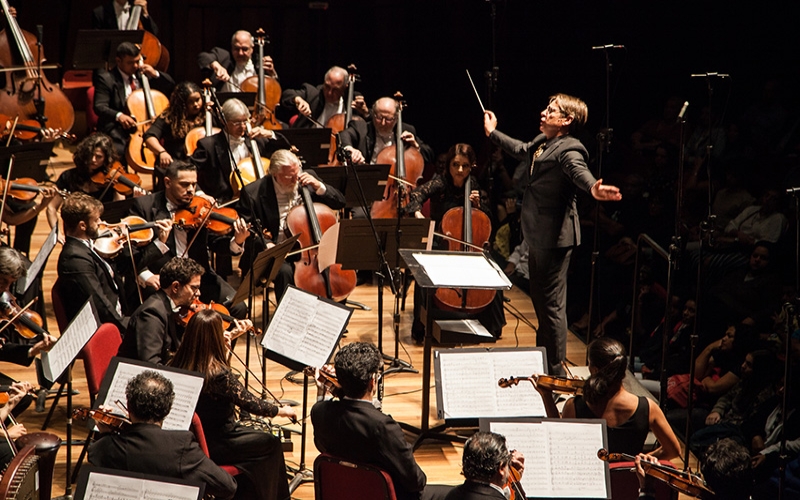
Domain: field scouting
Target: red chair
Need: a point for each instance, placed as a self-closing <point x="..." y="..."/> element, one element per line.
<point x="91" y="116"/>
<point x="197" y="429"/>
<point x="338" y="479"/>
<point x="625" y="484"/>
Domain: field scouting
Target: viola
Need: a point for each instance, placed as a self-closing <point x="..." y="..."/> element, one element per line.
<point x="339" y="121"/>
<point x="218" y="220"/>
<point x="152" y="50"/>
<point x="28" y="323"/>
<point x="561" y="385"/>
<point x="117" y="423"/>
<point x="122" y="181"/>
<point x="27" y="130"/>
<point x="267" y="89"/>
<point x="472" y="226"/>
<point x="251" y="168"/>
<point x="24" y="189"/>
<point x="207" y="130"/>
<point x="683" y="481"/>
<point x="143" y="103"/>
<point x="28" y="86"/>
<point x="406" y="164"/>
<point x="310" y="220"/>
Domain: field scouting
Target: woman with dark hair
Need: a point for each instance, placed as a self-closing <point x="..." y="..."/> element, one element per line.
<point x="629" y="417"/>
<point x="204" y="349"/>
<point x="166" y="137"/>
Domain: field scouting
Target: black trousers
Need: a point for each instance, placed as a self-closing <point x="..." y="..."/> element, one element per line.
<point x="548" y="277"/>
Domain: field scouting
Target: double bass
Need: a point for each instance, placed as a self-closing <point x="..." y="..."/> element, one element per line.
<point x="147" y="103"/>
<point x="267" y="89"/>
<point x="406" y="164"/>
<point x="339" y="121"/>
<point x="153" y="51"/>
<point x="28" y="93"/>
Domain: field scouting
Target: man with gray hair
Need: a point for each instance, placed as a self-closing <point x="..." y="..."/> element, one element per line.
<point x="270" y="199"/>
<point x="216" y="155"/>
<point x="321" y="102"/>
<point x="227" y="70"/>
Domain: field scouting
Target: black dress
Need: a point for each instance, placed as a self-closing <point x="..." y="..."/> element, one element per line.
<point x="626" y="438"/>
<point x="258" y="454"/>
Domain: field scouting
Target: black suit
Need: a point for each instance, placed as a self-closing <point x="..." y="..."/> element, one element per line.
<point x="83" y="275"/>
<point x="152" y="333"/>
<point x="109" y="99"/>
<point x="551" y="227"/>
<point x="213" y="161"/>
<point x="362" y="136"/>
<point x="104" y="17"/>
<point x="471" y="490"/>
<point x="315" y="98"/>
<point x="148" y="449"/>
<point x="224" y="58"/>
<point x="258" y="200"/>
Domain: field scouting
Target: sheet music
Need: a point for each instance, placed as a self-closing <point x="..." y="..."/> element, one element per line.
<point x="187" y="391"/>
<point x="41" y="259"/>
<point x="70" y="343"/>
<point x="469" y="385"/>
<point x="305" y="328"/>
<point x="108" y="487"/>
<point x="560" y="457"/>
<point x="465" y="269"/>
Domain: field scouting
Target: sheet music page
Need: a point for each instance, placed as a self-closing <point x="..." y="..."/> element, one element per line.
<point x="305" y="328"/>
<point x="470" y="389"/>
<point x="70" y="343"/>
<point x="467" y="269"/>
<point x="187" y="391"/>
<point x="560" y="457"/>
<point x="107" y="487"/>
<point x="41" y="259"/>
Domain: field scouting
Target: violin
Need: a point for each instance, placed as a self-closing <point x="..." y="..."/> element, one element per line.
<point x="310" y="220"/>
<point x="339" y="121"/>
<point x="683" y="481"/>
<point x="197" y="133"/>
<point x="111" y="238"/>
<point x="117" y="423"/>
<point x="328" y="380"/>
<point x="24" y="189"/>
<point x="472" y="226"/>
<point x="267" y="89"/>
<point x="251" y="168"/>
<point x="561" y="385"/>
<point x="146" y="103"/>
<point x="122" y="181"/>
<point x="28" y="323"/>
<point x="153" y="51"/>
<point x="227" y="319"/>
<point x="27" y="130"/>
<point x="514" y="484"/>
<point x="406" y="164"/>
<point x="218" y="220"/>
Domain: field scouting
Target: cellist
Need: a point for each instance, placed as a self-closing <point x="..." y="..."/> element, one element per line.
<point x="228" y="70"/>
<point x="114" y="15"/>
<point x="271" y="198"/>
<point x="321" y="102"/>
<point x="112" y="88"/>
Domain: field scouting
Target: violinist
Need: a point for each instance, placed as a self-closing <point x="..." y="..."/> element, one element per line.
<point x="486" y="465"/>
<point x="114" y="15"/>
<point x="228" y="70"/>
<point x="270" y="199"/>
<point x="153" y="333"/>
<point x="180" y="183"/>
<point x="321" y="102"/>
<point x="13" y="399"/>
<point x="214" y="154"/>
<point x="82" y="273"/>
<point x="365" y="139"/>
<point x="112" y="88"/>
<point x="204" y="349"/>
<point x="146" y="448"/>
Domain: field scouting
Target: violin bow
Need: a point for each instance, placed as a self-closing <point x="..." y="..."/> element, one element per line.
<point x="263" y="385"/>
<point x="10" y="320"/>
<point x="6" y="188"/>
<point x="197" y="232"/>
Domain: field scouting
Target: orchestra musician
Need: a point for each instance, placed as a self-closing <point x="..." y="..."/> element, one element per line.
<point x="550" y="222"/>
<point x="227" y="70"/>
<point x="82" y="273"/>
<point x="204" y="349"/>
<point x="365" y="139"/>
<point x="146" y="448"/>
<point x="166" y="136"/>
<point x="112" y="88"/>
<point x="16" y="393"/>
<point x="270" y="199"/>
<point x="180" y="183"/>
<point x="485" y="464"/>
<point x="353" y="429"/>
<point x="114" y="15"/>
<point x="153" y="333"/>
<point x="321" y="102"/>
<point x="214" y="154"/>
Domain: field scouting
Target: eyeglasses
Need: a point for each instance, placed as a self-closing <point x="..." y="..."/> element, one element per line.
<point x="550" y="110"/>
<point x="239" y="123"/>
<point x="386" y="119"/>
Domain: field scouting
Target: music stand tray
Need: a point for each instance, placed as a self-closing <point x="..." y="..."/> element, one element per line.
<point x="248" y="98"/>
<point x="97" y="49"/>
<point x="30" y="160"/>
<point x="373" y="180"/>
<point x="314" y="143"/>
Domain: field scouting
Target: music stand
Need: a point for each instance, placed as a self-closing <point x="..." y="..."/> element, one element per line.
<point x="97" y="482"/>
<point x="97" y="49"/>
<point x="115" y="211"/>
<point x="373" y="179"/>
<point x="314" y="143"/>
<point x="30" y="160"/>
<point x="248" y="98"/>
<point x="430" y="273"/>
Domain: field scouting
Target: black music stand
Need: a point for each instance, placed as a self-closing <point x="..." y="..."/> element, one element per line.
<point x="30" y="160"/>
<point x="314" y="143"/>
<point x="355" y="235"/>
<point x="373" y="179"/>
<point x="115" y="211"/>
<point x="248" y="98"/>
<point x="97" y="49"/>
<point x="424" y="279"/>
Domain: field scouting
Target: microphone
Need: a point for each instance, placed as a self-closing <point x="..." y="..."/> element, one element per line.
<point x="702" y="75"/>
<point x="39" y="34"/>
<point x="606" y="47"/>
<point x="683" y="111"/>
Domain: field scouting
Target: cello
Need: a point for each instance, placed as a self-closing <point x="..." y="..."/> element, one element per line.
<point x="311" y="220"/>
<point x="406" y="164"/>
<point x="267" y="89"/>
<point x="197" y="133"/>
<point x="473" y="227"/>
<point x="339" y="121"/>
<point x="28" y="93"/>
<point x="154" y="53"/>
<point x="148" y="103"/>
<point x="251" y="168"/>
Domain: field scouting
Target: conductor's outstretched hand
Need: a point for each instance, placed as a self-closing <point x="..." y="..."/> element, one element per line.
<point x="605" y="193"/>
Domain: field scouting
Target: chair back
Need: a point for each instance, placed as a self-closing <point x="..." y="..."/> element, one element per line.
<point x="197" y="429"/>
<point x="91" y="116"/>
<point x="625" y="484"/>
<point x="58" y="307"/>
<point x="97" y="354"/>
<point x="338" y="479"/>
